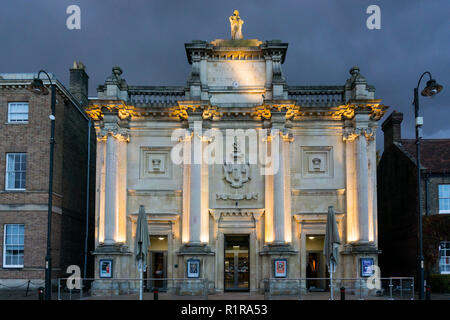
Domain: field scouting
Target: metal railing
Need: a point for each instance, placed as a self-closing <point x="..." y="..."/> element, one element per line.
<point x="393" y="288"/>
<point x="25" y="289"/>
<point x="104" y="288"/>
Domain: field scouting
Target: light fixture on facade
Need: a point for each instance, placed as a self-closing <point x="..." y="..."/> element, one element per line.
<point x="311" y="238"/>
<point x="161" y="238"/>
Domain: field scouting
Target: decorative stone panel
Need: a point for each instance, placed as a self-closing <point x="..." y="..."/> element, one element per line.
<point x="155" y="163"/>
<point x="317" y="162"/>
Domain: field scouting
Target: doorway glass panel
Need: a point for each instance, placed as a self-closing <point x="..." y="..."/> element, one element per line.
<point x="237" y="266"/>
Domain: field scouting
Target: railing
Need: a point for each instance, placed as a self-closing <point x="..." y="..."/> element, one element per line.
<point x="23" y="290"/>
<point x="317" y="95"/>
<point x="104" y="288"/>
<point x="155" y="95"/>
<point x="393" y="288"/>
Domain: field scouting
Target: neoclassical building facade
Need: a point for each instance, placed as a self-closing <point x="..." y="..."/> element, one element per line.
<point x="234" y="219"/>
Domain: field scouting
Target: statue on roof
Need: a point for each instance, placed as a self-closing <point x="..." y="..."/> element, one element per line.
<point x="236" y="26"/>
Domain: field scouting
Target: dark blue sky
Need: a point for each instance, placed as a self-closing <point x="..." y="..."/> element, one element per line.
<point x="326" y="38"/>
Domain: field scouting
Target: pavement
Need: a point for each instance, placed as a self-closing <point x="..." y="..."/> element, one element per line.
<point x="32" y="295"/>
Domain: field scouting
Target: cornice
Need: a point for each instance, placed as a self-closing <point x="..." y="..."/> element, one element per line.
<point x="183" y="109"/>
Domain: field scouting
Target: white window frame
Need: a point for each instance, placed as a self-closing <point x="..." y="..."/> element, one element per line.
<point x="11" y="266"/>
<point x="7" y="172"/>
<point x="444" y="258"/>
<point x="439" y="198"/>
<point x="10" y="104"/>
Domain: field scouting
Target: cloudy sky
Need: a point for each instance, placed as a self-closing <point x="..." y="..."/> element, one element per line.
<point x="326" y="38"/>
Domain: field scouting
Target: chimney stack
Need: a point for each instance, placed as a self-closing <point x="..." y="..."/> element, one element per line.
<point x="392" y="128"/>
<point x="79" y="83"/>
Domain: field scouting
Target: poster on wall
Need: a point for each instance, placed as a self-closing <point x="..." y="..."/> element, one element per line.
<point x="280" y="268"/>
<point x="105" y="268"/>
<point x="366" y="267"/>
<point x="193" y="268"/>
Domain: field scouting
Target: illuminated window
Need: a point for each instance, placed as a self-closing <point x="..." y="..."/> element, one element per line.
<point x="18" y="112"/>
<point x="444" y="257"/>
<point x="13" y="246"/>
<point x="16" y="167"/>
<point x="444" y="198"/>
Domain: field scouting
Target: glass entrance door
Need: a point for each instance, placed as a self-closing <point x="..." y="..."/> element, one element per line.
<point x="157" y="269"/>
<point x="237" y="266"/>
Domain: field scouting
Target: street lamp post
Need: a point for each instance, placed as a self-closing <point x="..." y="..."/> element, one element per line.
<point x="37" y="87"/>
<point x="431" y="89"/>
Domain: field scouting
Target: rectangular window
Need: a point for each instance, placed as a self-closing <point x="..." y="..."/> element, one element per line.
<point x="444" y="198"/>
<point x="17" y="112"/>
<point x="444" y="257"/>
<point x="13" y="246"/>
<point x="16" y="167"/>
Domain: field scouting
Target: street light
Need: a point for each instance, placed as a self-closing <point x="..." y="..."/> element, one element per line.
<point x="37" y="87"/>
<point x="431" y="89"/>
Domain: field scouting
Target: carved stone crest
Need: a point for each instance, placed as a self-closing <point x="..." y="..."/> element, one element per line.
<point x="236" y="174"/>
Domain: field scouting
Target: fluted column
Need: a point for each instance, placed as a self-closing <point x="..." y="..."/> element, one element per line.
<point x="282" y="193"/>
<point x="351" y="194"/>
<point x="114" y="187"/>
<point x="198" y="189"/>
<point x="111" y="197"/>
<point x="362" y="171"/>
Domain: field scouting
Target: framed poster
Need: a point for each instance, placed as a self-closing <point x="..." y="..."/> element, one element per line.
<point x="193" y="268"/>
<point x="106" y="268"/>
<point x="280" y="268"/>
<point x="366" y="267"/>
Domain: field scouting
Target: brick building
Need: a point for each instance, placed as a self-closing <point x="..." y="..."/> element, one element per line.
<point x="398" y="202"/>
<point x="24" y="169"/>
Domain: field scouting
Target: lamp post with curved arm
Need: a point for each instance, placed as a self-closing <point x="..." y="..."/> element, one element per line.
<point x="431" y="89"/>
<point x="37" y="87"/>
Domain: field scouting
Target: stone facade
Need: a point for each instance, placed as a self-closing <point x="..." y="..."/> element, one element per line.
<point x="323" y="136"/>
<point x="29" y="206"/>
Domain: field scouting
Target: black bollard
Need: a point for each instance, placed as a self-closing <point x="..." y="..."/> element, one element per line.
<point x="41" y="293"/>
<point x="155" y="294"/>
<point x="428" y="292"/>
<point x="342" y="293"/>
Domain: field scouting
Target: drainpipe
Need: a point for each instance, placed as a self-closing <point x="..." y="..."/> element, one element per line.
<point x="427" y="199"/>
<point x="87" y="196"/>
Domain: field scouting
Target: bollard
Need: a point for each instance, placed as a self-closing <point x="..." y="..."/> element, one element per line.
<point x="427" y="292"/>
<point x="342" y="293"/>
<point x="41" y="293"/>
<point x="155" y="293"/>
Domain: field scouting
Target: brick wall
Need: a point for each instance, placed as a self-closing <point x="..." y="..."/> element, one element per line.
<point x="69" y="183"/>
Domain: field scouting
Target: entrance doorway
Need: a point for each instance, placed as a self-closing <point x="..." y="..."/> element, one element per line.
<point x="237" y="264"/>
<point x="316" y="264"/>
<point x="157" y="263"/>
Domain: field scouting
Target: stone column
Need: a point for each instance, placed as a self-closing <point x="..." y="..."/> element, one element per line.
<point x="111" y="196"/>
<point x="372" y="174"/>
<point x="195" y="197"/>
<point x="351" y="195"/>
<point x="282" y="193"/>
<point x="362" y="171"/>
<point x="197" y="189"/>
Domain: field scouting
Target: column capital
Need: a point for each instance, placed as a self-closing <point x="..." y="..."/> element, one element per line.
<point x="286" y="136"/>
<point x="115" y="131"/>
<point x="350" y="134"/>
